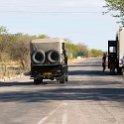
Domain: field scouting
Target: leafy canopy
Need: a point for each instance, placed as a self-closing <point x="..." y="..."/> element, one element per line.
<point x="116" y="6"/>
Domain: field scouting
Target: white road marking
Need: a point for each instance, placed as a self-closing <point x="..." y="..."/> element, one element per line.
<point x="51" y="113"/>
<point x="65" y="103"/>
<point x="43" y="120"/>
<point x="65" y="118"/>
<point x="65" y="115"/>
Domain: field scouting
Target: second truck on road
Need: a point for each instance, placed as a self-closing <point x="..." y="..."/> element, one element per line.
<point x="116" y="53"/>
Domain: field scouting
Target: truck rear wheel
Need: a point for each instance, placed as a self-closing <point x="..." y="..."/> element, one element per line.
<point x="119" y="70"/>
<point x="66" y="78"/>
<point x="123" y="71"/>
<point x="112" y="70"/>
<point x="62" y="80"/>
<point x="38" y="81"/>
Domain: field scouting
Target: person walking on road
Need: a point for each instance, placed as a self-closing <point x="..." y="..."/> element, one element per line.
<point x="104" y="61"/>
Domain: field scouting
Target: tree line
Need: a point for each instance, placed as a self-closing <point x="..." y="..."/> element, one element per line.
<point x="16" y="47"/>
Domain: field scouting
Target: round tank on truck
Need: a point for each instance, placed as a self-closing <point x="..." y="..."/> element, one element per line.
<point x="53" y="56"/>
<point x="38" y="57"/>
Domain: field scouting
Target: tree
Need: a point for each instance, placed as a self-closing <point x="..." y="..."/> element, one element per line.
<point x="72" y="49"/>
<point x="3" y="42"/>
<point x="20" y="50"/>
<point x="96" y="53"/>
<point x="118" y="7"/>
<point x="83" y="49"/>
<point x="43" y="36"/>
<point x="75" y="50"/>
<point x="3" y="30"/>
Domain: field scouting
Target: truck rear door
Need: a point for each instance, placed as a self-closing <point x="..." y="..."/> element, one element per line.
<point x="112" y="53"/>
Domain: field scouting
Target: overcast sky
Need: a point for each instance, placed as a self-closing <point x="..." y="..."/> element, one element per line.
<point x="78" y="20"/>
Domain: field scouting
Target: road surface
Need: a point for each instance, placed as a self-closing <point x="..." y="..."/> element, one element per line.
<point x="90" y="97"/>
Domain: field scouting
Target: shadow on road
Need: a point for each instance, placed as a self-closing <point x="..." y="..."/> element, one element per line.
<point x="90" y="72"/>
<point x="66" y="93"/>
<point x="16" y="84"/>
<point x="94" y="94"/>
<point x="85" y="65"/>
<point x="95" y="83"/>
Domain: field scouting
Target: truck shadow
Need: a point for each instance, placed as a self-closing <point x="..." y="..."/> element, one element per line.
<point x="91" y="70"/>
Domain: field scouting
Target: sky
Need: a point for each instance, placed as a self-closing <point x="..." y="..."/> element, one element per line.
<point x="81" y="21"/>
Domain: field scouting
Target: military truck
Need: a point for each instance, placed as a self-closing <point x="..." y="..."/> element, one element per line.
<point x="48" y="60"/>
<point x="116" y="53"/>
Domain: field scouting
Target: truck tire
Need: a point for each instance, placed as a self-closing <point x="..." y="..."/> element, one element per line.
<point x="66" y="79"/>
<point x="38" y="57"/>
<point x="112" y="71"/>
<point x="119" y="70"/>
<point x="38" y="81"/>
<point x="62" y="79"/>
<point x="123" y="71"/>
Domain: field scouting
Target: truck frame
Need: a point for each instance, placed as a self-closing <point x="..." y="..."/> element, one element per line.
<point x="48" y="61"/>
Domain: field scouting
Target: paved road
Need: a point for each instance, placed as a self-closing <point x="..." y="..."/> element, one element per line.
<point x="90" y="97"/>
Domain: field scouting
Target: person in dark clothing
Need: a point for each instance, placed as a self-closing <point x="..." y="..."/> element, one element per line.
<point x="104" y="62"/>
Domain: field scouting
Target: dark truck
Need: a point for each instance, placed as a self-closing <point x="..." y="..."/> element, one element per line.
<point x="48" y="60"/>
<point x="116" y="53"/>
